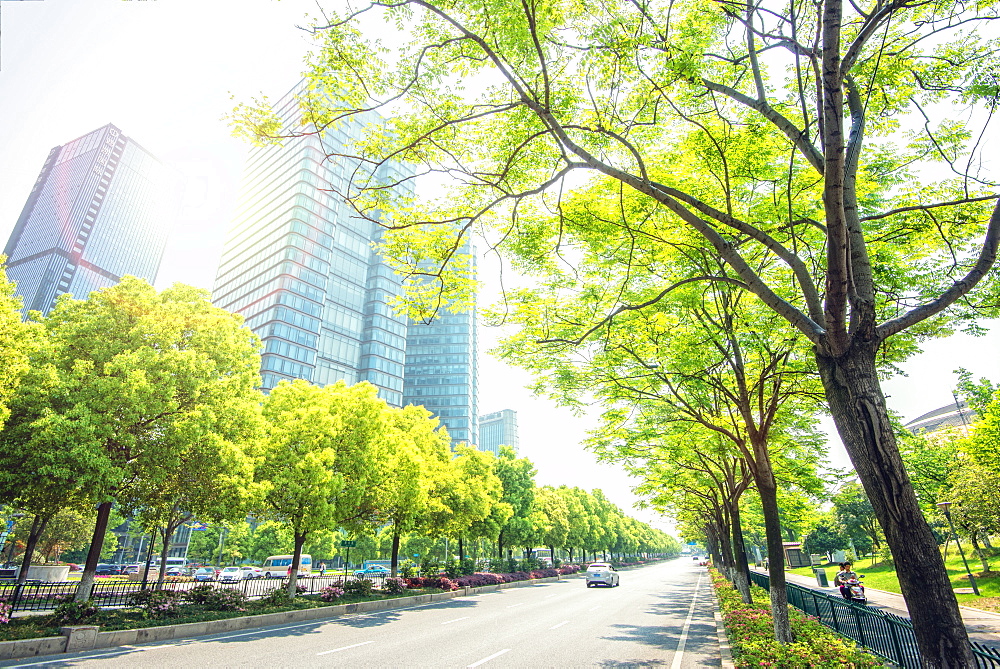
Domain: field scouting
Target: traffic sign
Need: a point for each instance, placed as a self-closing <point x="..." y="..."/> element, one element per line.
<point x="348" y="544"/>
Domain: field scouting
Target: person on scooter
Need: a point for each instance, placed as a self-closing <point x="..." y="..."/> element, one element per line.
<point x="843" y="576"/>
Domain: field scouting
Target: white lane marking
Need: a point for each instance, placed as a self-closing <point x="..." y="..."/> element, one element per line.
<point x="555" y="627"/>
<point x="548" y="596"/>
<point x="337" y="650"/>
<point x="487" y="659"/>
<point x="593" y="609"/>
<point x="513" y="605"/>
<point x="679" y="653"/>
<point x="455" y="620"/>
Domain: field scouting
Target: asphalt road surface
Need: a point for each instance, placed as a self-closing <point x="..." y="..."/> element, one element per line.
<point x="660" y="616"/>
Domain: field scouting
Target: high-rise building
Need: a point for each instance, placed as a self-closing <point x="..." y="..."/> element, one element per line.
<point x="95" y="214"/>
<point x="498" y="429"/>
<point x="301" y="266"/>
<point x="442" y="372"/>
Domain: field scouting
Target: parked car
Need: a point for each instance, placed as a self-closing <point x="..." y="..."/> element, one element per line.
<point x="108" y="570"/>
<point x="178" y="571"/>
<point x="204" y="574"/>
<point x="602" y="573"/>
<point x="239" y="573"/>
<point x="130" y="569"/>
<point x="373" y="570"/>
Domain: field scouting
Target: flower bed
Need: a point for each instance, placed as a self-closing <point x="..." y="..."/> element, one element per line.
<point x="750" y="628"/>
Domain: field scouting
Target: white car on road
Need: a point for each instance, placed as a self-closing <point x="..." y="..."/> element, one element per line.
<point x="601" y="573"/>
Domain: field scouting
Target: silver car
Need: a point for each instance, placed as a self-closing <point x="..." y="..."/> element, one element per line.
<point x="602" y="573"/>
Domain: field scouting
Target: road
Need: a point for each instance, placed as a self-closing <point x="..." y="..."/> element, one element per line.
<point x="660" y="616"/>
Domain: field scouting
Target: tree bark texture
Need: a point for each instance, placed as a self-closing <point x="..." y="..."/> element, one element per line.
<point x="768" y="491"/>
<point x="394" y="560"/>
<point x="741" y="576"/>
<point x="86" y="587"/>
<point x="38" y="526"/>
<point x="293" y="573"/>
<point x="858" y="408"/>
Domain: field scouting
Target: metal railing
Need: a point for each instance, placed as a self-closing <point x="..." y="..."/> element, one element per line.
<point x="884" y="634"/>
<point x="37" y="596"/>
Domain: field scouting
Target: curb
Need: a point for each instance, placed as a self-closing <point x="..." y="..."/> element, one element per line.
<point x="725" y="650"/>
<point x="81" y="638"/>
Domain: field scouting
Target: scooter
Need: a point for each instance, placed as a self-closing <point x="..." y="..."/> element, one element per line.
<point x="855" y="591"/>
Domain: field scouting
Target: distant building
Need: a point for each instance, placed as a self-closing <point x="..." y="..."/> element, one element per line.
<point x="95" y="214"/>
<point x="300" y="265"/>
<point x="498" y="429"/>
<point x="442" y="371"/>
<point x="955" y="415"/>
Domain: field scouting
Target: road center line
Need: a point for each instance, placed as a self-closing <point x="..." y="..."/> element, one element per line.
<point x="555" y="627"/>
<point x="679" y="653"/>
<point x="455" y="620"/>
<point x="337" y="650"/>
<point x="487" y="659"/>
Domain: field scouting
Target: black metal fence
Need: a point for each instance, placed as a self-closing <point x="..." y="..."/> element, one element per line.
<point x="884" y="634"/>
<point x="36" y="596"/>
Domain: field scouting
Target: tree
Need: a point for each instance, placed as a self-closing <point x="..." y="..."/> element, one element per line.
<point x="550" y="518"/>
<point x="473" y="492"/>
<point x="320" y="465"/>
<point x="975" y="505"/>
<point x="756" y="126"/>
<point x="855" y="513"/>
<point x="825" y="538"/>
<point x="16" y="341"/>
<point x="125" y="379"/>
<point x="419" y="463"/>
<point x="509" y="521"/>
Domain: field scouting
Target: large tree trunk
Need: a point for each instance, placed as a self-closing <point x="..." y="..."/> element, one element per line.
<point x="394" y="558"/>
<point x="293" y="574"/>
<point x="858" y="409"/>
<point x="768" y="490"/>
<point x="980" y="552"/>
<point x="165" y="534"/>
<point x="741" y="576"/>
<point x="86" y="587"/>
<point x="38" y="526"/>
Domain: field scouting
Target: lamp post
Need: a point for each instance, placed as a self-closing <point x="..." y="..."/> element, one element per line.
<point x="944" y="506"/>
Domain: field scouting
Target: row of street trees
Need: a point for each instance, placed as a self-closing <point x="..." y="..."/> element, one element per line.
<point x="147" y="403"/>
<point x="819" y="161"/>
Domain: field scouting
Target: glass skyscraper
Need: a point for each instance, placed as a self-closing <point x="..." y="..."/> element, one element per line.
<point x="442" y="371"/>
<point x="498" y="429"/>
<point x="95" y="214"/>
<point x="300" y="265"/>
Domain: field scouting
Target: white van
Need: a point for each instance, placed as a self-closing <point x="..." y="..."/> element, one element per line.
<point x="277" y="566"/>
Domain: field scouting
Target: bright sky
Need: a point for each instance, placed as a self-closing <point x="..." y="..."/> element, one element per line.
<point x="164" y="72"/>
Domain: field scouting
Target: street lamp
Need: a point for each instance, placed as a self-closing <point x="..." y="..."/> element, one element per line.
<point x="944" y="506"/>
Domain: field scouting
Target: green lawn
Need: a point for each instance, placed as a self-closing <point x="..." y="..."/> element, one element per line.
<point x="883" y="577"/>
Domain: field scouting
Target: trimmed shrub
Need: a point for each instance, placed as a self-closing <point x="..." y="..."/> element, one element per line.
<point x="217" y="599"/>
<point x="394" y="585"/>
<point x="331" y="593"/>
<point x="69" y="612"/>
<point x="359" y="587"/>
<point x="156" y="603"/>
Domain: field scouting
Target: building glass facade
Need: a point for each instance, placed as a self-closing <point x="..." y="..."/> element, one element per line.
<point x="300" y="266"/>
<point x="498" y="429"/>
<point x="442" y="372"/>
<point x="95" y="214"/>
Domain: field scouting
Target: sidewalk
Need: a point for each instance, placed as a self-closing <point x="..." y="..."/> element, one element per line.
<point x="983" y="626"/>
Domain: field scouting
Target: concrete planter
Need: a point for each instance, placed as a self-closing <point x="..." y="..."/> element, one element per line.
<point x="49" y="573"/>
